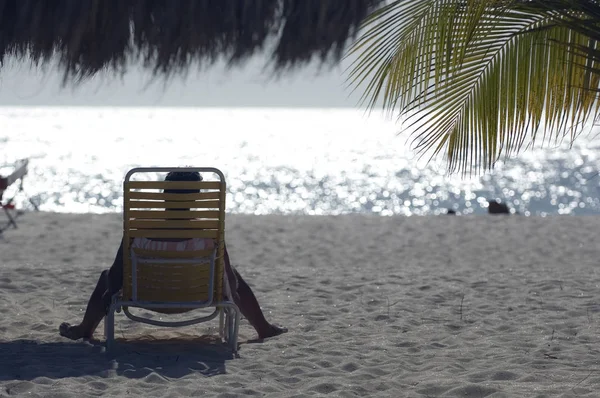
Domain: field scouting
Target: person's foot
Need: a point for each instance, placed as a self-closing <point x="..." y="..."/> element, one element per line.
<point x="70" y="332"/>
<point x="272" y="331"/>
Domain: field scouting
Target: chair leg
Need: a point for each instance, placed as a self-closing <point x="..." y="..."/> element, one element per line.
<point x="227" y="336"/>
<point x="228" y="326"/>
<point x="232" y="327"/>
<point x="221" y="322"/>
<point x="109" y="329"/>
<point x="235" y="329"/>
<point x="11" y="219"/>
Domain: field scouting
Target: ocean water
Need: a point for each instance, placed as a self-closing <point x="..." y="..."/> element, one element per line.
<point x="284" y="161"/>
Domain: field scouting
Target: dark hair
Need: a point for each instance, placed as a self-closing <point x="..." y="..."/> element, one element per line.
<point x="183" y="176"/>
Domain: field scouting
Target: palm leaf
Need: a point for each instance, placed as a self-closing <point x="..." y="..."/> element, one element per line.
<point x="477" y="80"/>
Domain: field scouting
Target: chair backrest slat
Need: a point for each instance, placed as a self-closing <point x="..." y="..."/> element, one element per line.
<point x="174" y="196"/>
<point x="150" y="204"/>
<point x="173" y="224"/>
<point x="174" y="233"/>
<point x="161" y="185"/>
<point x="161" y="214"/>
<point x="145" y="253"/>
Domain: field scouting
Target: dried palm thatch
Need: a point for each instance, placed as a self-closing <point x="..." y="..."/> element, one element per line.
<point x="87" y="36"/>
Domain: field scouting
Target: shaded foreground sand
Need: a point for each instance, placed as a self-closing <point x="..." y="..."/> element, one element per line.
<point x="487" y="306"/>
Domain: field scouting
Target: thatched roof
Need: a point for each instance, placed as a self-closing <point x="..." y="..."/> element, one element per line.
<point x="87" y="36"/>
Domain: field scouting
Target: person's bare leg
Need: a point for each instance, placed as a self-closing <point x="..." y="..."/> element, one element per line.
<point x="109" y="283"/>
<point x="249" y="307"/>
<point x="244" y="298"/>
<point x="94" y="313"/>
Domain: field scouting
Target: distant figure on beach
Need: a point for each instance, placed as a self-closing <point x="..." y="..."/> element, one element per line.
<point x="111" y="282"/>
<point x="495" y="207"/>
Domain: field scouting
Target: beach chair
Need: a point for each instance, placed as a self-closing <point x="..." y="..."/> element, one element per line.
<point x="168" y="281"/>
<point x="18" y="171"/>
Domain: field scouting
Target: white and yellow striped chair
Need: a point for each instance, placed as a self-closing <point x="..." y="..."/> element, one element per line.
<point x="158" y="278"/>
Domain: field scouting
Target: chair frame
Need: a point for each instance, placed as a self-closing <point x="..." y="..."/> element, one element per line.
<point x="19" y="173"/>
<point x="227" y="310"/>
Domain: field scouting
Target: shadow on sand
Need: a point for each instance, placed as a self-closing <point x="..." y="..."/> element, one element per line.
<point x="133" y="358"/>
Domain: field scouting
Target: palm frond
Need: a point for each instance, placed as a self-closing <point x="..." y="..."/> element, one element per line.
<point x="478" y="79"/>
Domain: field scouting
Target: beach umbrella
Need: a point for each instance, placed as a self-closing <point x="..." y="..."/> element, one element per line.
<point x="170" y="36"/>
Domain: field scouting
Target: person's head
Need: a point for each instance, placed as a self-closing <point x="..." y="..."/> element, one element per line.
<point x="183" y="176"/>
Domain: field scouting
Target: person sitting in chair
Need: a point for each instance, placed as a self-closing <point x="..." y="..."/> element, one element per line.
<point x="111" y="282"/>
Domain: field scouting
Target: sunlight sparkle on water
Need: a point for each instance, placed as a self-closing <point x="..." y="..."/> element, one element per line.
<point x="307" y="161"/>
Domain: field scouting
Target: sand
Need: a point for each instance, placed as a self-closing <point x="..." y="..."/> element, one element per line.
<point x="479" y="306"/>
